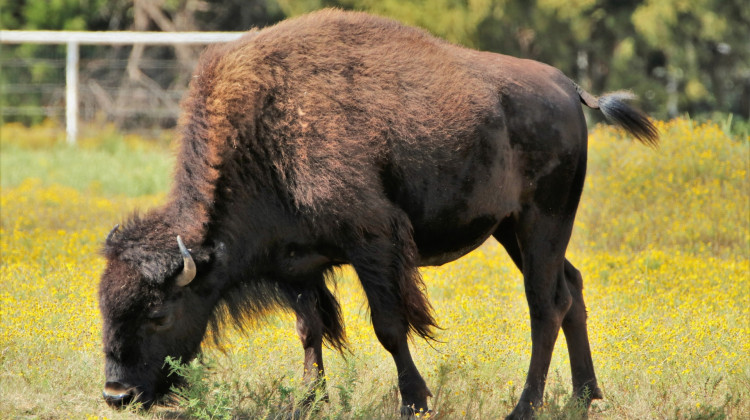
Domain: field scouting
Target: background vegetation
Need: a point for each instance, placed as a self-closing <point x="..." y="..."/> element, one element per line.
<point x="679" y="56"/>
<point x="662" y="239"/>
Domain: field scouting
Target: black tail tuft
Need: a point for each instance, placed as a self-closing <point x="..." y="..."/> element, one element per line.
<point x="616" y="109"/>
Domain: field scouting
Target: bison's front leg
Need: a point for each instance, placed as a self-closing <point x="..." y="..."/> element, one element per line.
<point x="392" y="334"/>
<point x="385" y="265"/>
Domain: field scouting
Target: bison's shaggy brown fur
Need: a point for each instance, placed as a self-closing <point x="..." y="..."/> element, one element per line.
<point x="340" y="138"/>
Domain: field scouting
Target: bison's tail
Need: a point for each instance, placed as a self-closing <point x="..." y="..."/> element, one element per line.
<point x="616" y="109"/>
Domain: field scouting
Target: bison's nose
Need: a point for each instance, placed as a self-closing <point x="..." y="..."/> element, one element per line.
<point x="117" y="394"/>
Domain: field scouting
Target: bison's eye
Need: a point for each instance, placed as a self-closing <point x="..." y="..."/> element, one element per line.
<point x="160" y="321"/>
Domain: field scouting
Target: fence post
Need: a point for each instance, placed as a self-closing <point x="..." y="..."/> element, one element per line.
<point x="71" y="92"/>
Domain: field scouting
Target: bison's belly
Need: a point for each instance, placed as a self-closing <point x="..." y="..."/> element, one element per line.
<point x="456" y="200"/>
<point x="452" y="223"/>
<point x="442" y="241"/>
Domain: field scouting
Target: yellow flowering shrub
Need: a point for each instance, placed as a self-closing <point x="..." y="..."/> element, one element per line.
<point x="690" y="194"/>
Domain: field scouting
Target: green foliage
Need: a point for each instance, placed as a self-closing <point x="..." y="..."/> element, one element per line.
<point x="200" y="398"/>
<point x="456" y="21"/>
<point x="205" y="395"/>
<point x="704" y="43"/>
<point x="70" y="15"/>
<point x="453" y="20"/>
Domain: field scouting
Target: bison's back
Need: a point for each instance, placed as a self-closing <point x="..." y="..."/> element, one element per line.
<point x="353" y="112"/>
<point x="337" y="92"/>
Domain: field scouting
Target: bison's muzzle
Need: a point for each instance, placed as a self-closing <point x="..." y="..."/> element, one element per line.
<point x="119" y="395"/>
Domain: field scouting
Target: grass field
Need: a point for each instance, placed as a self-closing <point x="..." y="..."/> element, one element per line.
<point x="662" y="239"/>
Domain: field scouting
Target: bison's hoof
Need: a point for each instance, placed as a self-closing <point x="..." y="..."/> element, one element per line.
<point x="522" y="412"/>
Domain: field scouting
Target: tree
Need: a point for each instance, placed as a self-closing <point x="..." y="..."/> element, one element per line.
<point x="704" y="44"/>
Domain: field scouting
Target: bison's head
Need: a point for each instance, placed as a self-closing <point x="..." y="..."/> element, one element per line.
<point x="154" y="303"/>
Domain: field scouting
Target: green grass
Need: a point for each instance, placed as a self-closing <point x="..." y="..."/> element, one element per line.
<point x="107" y="165"/>
<point x="662" y="239"/>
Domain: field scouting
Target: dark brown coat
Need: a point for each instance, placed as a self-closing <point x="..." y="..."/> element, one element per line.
<point x="344" y="138"/>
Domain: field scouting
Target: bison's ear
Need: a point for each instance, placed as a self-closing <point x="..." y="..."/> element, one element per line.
<point x="111" y="234"/>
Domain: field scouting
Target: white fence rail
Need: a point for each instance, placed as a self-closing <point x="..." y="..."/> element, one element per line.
<point x="73" y="39"/>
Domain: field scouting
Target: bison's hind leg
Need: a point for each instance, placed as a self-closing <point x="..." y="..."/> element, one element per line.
<point x="318" y="319"/>
<point x="585" y="387"/>
<point x="537" y="238"/>
<point x="541" y="243"/>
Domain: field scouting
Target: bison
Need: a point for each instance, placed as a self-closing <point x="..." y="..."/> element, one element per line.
<point x="344" y="138"/>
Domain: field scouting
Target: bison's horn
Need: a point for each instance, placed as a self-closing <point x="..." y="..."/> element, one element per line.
<point x="188" y="265"/>
<point x="112" y="233"/>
